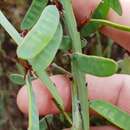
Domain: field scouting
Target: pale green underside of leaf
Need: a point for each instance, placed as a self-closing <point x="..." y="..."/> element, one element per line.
<point x="33" y="13"/>
<point x="111" y="113"/>
<point x="10" y="29"/>
<point x="101" y="12"/>
<point x="42" y="60"/>
<point x="95" y="65"/>
<point x="33" y="111"/>
<point x="40" y="35"/>
<point x="17" y="79"/>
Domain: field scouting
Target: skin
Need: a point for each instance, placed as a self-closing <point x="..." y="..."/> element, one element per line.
<point x="114" y="89"/>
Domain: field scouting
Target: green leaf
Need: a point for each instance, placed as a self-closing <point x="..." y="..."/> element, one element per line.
<point x="116" y="5"/>
<point x="94" y="65"/>
<point x="17" y="79"/>
<point x="111" y="113"/>
<point x="100" y="12"/>
<point x="33" y="112"/>
<point x="33" y="13"/>
<point x="10" y="29"/>
<point x="124" y="65"/>
<point x="41" y="34"/>
<point x="42" y="60"/>
<point x="66" y="43"/>
<point x="45" y="121"/>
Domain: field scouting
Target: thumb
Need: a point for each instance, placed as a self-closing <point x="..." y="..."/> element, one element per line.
<point x="84" y="8"/>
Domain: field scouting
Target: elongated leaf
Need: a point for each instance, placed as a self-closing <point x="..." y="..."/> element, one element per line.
<point x="115" y="5"/>
<point x="94" y="65"/>
<point x="33" y="112"/>
<point x="33" y="13"/>
<point x="42" y="60"/>
<point x="10" y="29"/>
<point x="111" y="24"/>
<point x="111" y="113"/>
<point x="17" y="79"/>
<point x="100" y="12"/>
<point x="41" y="34"/>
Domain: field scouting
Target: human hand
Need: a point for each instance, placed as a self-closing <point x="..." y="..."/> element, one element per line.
<point x="84" y="8"/>
<point x="113" y="89"/>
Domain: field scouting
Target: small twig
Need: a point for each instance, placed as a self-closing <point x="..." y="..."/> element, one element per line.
<point x="61" y="69"/>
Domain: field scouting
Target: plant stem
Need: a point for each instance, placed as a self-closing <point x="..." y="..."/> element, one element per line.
<point x="52" y="88"/>
<point x="33" y="111"/>
<point x="77" y="122"/>
<point x="99" y="45"/>
<point x="61" y="69"/>
<point x="108" y="51"/>
<point x="111" y="24"/>
<point x="10" y="29"/>
<point x="79" y="89"/>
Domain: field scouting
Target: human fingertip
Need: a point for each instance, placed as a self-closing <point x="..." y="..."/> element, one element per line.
<point x="42" y="96"/>
<point x="44" y="99"/>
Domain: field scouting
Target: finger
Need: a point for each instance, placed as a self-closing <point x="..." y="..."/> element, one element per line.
<point x="114" y="89"/>
<point x="84" y="8"/>
<point x="43" y="97"/>
<point x="104" y="128"/>
<point x="101" y="128"/>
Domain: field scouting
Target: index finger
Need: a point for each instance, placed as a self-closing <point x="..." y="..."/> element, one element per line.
<point x="114" y="89"/>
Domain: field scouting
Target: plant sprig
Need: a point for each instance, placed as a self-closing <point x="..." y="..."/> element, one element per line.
<point x="79" y="87"/>
<point x="48" y="28"/>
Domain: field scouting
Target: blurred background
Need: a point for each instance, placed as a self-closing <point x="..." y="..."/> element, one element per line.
<point x="10" y="117"/>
